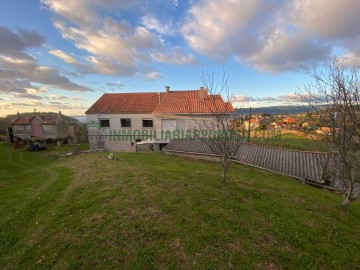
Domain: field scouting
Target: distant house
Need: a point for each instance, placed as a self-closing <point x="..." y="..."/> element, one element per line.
<point x="309" y="125"/>
<point x="289" y="121"/>
<point x="324" y="130"/>
<point x="128" y="120"/>
<point x="278" y="125"/>
<point x="44" y="127"/>
<point x="254" y="123"/>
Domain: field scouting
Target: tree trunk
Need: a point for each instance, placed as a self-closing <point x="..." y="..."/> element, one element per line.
<point x="348" y="198"/>
<point x="225" y="169"/>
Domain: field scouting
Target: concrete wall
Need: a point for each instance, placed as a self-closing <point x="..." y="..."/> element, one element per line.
<point x="117" y="138"/>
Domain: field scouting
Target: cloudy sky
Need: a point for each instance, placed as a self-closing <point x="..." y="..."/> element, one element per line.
<point x="63" y="55"/>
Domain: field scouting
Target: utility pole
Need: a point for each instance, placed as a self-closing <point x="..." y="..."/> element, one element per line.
<point x="248" y="139"/>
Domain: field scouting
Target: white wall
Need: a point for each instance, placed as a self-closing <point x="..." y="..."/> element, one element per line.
<point x="121" y="143"/>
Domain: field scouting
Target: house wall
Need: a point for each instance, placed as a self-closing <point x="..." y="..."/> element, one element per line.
<point x="116" y="138"/>
<point x="23" y="131"/>
<point x="49" y="131"/>
<point x="74" y="131"/>
<point x="36" y="125"/>
<point x="184" y="122"/>
<point x="62" y="128"/>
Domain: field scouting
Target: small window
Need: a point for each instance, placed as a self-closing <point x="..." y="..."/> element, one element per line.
<point x="125" y="122"/>
<point x="147" y="123"/>
<point x="104" y="123"/>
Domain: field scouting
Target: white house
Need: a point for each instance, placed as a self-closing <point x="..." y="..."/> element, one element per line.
<point x="130" y="121"/>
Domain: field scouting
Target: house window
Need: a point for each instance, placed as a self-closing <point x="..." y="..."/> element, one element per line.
<point x="147" y="123"/>
<point x="104" y="123"/>
<point x="125" y="122"/>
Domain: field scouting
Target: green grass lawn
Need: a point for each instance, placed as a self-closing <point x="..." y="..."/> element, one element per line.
<point x="154" y="211"/>
<point x="290" y="141"/>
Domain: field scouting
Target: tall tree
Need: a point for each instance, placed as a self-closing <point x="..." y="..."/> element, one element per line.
<point x="334" y="99"/>
<point x="218" y="130"/>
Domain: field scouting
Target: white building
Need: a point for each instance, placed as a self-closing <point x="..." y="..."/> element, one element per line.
<point x="139" y="121"/>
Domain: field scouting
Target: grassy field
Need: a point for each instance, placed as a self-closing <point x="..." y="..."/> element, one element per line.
<point x="153" y="211"/>
<point x="293" y="140"/>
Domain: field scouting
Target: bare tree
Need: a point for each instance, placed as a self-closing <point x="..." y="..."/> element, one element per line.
<point x="334" y="100"/>
<point x="218" y="130"/>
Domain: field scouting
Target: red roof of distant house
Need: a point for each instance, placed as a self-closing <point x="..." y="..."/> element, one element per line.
<point x="253" y="120"/>
<point x="290" y="120"/>
<point x="22" y="120"/>
<point x="49" y="119"/>
<point x="45" y="119"/>
<point x="168" y="102"/>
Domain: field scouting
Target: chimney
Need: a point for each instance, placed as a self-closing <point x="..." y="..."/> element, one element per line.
<point x="167" y="89"/>
<point x="202" y="93"/>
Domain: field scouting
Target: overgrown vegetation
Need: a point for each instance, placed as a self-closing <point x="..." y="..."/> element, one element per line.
<point x="153" y="211"/>
<point x="334" y="97"/>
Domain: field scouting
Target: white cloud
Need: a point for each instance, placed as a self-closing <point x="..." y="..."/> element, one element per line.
<point x="58" y="97"/>
<point x="273" y="35"/>
<point x="21" y="73"/>
<point x="215" y="27"/>
<point x="107" y="66"/>
<point x="13" y="44"/>
<point x="27" y="96"/>
<point x="243" y="98"/>
<point x="287" y="51"/>
<point x="324" y="18"/>
<point x="84" y="12"/>
<point x="114" y="47"/>
<point x="63" y="56"/>
<point x="152" y="23"/>
<point x="290" y="98"/>
<point x="111" y="52"/>
<point x="153" y="75"/>
<point x="174" y="56"/>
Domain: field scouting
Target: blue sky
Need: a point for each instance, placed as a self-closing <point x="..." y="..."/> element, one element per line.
<point x="63" y="55"/>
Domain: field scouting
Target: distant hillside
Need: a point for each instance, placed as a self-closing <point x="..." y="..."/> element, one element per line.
<point x="275" y="110"/>
<point x="80" y="118"/>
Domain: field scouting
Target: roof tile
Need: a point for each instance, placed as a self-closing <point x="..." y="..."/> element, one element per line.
<point x="125" y="103"/>
<point x="22" y="120"/>
<point x="187" y="101"/>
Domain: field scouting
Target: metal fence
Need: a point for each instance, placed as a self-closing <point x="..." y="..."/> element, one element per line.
<point x="303" y="165"/>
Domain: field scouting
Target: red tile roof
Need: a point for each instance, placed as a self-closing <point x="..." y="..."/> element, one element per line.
<point x="280" y="124"/>
<point x="49" y="119"/>
<point x="22" y="120"/>
<point x="171" y="102"/>
<point x="189" y="102"/>
<point x="45" y="119"/>
<point x="290" y="120"/>
<point x="125" y="103"/>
